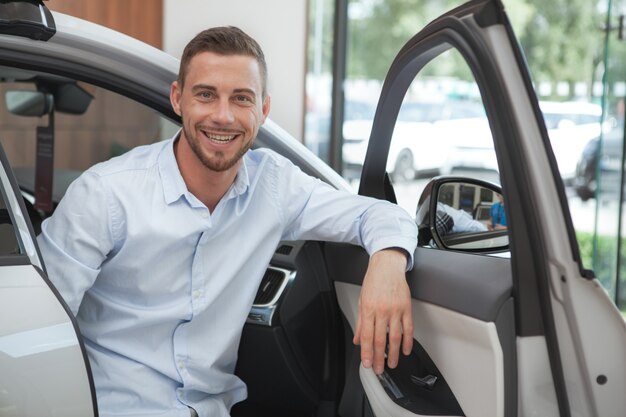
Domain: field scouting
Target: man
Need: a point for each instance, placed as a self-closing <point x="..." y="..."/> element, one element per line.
<point x="160" y="252"/>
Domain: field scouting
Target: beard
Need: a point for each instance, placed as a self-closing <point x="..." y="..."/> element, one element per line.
<point x="218" y="162"/>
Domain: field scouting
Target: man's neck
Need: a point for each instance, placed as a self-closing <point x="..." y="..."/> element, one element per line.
<point x="207" y="185"/>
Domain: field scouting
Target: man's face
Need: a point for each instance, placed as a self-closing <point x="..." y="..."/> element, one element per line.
<point x="221" y="106"/>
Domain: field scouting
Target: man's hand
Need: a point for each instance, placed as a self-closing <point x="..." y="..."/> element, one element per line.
<point x="384" y="306"/>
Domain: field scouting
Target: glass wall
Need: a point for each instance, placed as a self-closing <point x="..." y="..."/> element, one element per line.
<point x="608" y="249"/>
<point x="319" y="77"/>
<point x="575" y="52"/>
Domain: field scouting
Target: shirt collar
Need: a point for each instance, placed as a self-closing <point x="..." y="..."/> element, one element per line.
<point x="174" y="185"/>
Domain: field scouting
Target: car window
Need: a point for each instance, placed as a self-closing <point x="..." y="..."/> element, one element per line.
<point x="9" y="242"/>
<point x="90" y="124"/>
<point x="441" y="129"/>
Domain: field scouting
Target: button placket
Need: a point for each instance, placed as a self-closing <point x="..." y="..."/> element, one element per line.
<point x="197" y="275"/>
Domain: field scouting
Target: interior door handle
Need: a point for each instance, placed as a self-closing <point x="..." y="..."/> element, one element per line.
<point x="427" y="381"/>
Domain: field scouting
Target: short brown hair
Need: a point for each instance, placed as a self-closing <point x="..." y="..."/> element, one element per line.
<point x="224" y="40"/>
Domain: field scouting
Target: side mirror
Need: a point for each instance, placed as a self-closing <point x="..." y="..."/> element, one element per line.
<point x="29" y="103"/>
<point x="462" y="214"/>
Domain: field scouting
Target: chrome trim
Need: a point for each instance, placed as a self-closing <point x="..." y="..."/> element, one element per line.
<point x="43" y="16"/>
<point x="263" y="314"/>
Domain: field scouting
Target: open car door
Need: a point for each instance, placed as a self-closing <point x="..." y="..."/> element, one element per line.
<point x="508" y="323"/>
<point x="44" y="367"/>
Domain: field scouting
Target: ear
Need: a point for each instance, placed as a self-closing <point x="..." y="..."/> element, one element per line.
<point x="175" y="93"/>
<point x="266" y="107"/>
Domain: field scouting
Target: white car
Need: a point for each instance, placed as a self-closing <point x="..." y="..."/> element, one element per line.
<point x="470" y="145"/>
<point x="416" y="145"/>
<point x="571" y="125"/>
<point x="499" y="330"/>
<point x="410" y="152"/>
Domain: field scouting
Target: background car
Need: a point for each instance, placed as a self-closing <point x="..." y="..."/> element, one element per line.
<point x="571" y="125"/>
<point x="603" y="156"/>
<point x="416" y="147"/>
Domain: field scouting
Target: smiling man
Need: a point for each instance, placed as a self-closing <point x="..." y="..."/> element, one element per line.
<point x="159" y="252"/>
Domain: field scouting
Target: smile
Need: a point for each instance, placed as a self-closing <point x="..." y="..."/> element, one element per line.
<point x="219" y="138"/>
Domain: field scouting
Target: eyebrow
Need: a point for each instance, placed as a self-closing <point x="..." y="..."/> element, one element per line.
<point x="198" y="87"/>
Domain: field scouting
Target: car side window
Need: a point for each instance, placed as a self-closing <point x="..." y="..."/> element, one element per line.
<point x="9" y="242"/>
<point x="90" y="124"/>
<point x="442" y="129"/>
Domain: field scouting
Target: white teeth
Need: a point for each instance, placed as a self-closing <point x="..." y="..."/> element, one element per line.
<point x="220" y="138"/>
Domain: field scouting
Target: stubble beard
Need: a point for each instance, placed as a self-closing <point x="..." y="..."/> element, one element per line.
<point x="217" y="163"/>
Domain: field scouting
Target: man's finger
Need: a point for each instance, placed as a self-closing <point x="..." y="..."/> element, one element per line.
<point x="395" y="337"/>
<point x="407" y="332"/>
<point x="380" y="342"/>
<point x="357" y="331"/>
<point x="367" y="339"/>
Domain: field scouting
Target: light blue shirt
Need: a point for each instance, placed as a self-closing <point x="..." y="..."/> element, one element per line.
<point x="161" y="287"/>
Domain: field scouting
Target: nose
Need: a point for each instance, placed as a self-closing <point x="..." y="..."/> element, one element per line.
<point x="222" y="112"/>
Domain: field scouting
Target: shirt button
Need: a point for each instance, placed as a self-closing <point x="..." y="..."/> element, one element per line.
<point x="196" y="294"/>
<point x="181" y="365"/>
<point x="205" y="214"/>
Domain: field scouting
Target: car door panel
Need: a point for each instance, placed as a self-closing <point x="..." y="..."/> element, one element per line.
<point x="39" y="338"/>
<point x="466" y="338"/>
<point x="38" y="344"/>
<point x="476" y="286"/>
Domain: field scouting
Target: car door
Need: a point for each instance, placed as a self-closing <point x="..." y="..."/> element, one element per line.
<point x="44" y="365"/>
<point x="526" y="331"/>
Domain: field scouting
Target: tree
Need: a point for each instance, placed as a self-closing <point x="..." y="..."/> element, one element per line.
<point x="562" y="40"/>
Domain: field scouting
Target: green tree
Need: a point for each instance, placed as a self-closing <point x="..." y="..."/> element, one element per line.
<point x="562" y="40"/>
<point x="381" y="27"/>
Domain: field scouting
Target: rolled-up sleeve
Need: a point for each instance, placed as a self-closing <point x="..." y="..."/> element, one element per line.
<point x="77" y="238"/>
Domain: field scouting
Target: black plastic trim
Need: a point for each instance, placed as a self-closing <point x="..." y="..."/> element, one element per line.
<point x="14" y="260"/>
<point x="436" y="401"/>
<point x="505" y="326"/>
<point x="490" y="14"/>
<point x="20" y="201"/>
<point x="15" y="19"/>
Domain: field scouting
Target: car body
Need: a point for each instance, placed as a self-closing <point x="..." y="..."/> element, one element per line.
<point x="570" y="124"/>
<point x="601" y="156"/>
<point x="411" y="152"/>
<point x="500" y="330"/>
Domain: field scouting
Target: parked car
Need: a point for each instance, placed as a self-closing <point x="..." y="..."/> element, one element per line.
<point x="500" y="330"/>
<point x="470" y="146"/>
<point x="571" y="125"/>
<point x="415" y="141"/>
<point x="603" y="156"/>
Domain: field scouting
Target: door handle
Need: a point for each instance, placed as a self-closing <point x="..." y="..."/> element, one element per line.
<point x="427" y="381"/>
